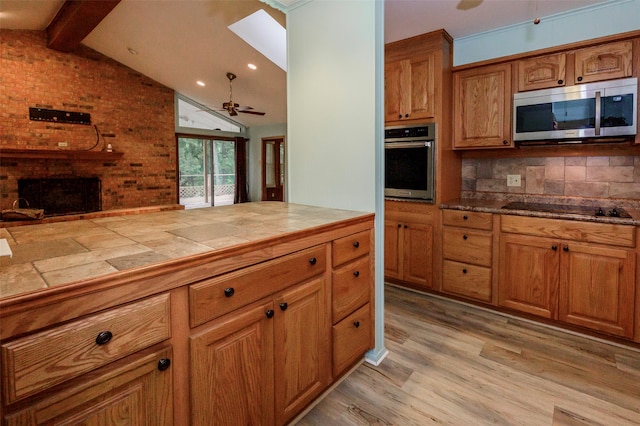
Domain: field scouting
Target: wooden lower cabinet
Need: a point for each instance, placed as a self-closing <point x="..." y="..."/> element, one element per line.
<point x="136" y="390"/>
<point x="586" y="284"/>
<point x="408" y="251"/>
<point x="263" y="365"/>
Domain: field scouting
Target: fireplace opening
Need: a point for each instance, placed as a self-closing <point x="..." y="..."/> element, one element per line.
<point x="61" y="196"/>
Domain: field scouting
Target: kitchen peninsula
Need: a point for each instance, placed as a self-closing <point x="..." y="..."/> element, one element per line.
<point x="200" y="307"/>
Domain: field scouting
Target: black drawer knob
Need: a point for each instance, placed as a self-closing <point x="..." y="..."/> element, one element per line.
<point x="269" y="313"/>
<point x="406" y="226"/>
<point x="103" y="337"/>
<point x="399" y="115"/>
<point x="406" y="116"/>
<point x="560" y="82"/>
<point x="313" y="261"/>
<point x="565" y="248"/>
<point x="229" y="291"/>
<point x="504" y="142"/>
<point x="465" y="217"/>
<point x="356" y="324"/>
<point x="464" y="271"/>
<point x="283" y="306"/>
<point x="163" y="364"/>
<point x="356" y="274"/>
<point x="399" y="226"/>
<point x="580" y="78"/>
<point x="554" y="248"/>
<point x="464" y="237"/>
<point x="356" y="244"/>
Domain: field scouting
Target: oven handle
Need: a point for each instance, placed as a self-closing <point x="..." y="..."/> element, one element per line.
<point x="598" y="112"/>
<point x="415" y="144"/>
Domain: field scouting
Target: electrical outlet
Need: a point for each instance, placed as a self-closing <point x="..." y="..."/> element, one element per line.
<point x="513" y="180"/>
<point x="62" y="144"/>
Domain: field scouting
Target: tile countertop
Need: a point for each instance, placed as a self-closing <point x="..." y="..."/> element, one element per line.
<point x="495" y="206"/>
<point x="52" y="254"/>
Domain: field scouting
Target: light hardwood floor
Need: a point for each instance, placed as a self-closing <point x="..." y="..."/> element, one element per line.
<point x="454" y="364"/>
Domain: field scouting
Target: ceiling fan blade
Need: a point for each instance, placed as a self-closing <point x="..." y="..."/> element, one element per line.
<point x="468" y="4"/>
<point x="251" y="112"/>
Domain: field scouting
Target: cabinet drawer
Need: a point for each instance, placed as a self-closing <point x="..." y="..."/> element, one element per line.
<point x="602" y="233"/>
<point x="217" y="296"/>
<point x="477" y="220"/>
<point x="466" y="245"/>
<point x="350" y="287"/>
<point x="466" y="280"/>
<point x="350" y="247"/>
<point x="351" y="339"/>
<point x="42" y="360"/>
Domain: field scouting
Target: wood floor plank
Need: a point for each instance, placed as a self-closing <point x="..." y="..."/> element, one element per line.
<point x="454" y="364"/>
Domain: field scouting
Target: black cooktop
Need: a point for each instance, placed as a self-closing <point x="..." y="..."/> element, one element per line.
<point x="569" y="209"/>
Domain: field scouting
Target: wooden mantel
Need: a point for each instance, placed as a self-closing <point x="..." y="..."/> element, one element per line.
<point x="50" y="154"/>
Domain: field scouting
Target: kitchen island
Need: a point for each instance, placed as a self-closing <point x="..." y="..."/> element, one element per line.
<point x="215" y="298"/>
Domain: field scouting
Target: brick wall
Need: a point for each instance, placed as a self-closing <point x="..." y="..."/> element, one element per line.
<point x="132" y="112"/>
<point x="616" y="177"/>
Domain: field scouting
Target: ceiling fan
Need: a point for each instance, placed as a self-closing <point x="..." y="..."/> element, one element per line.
<point x="468" y="4"/>
<point x="234" y="108"/>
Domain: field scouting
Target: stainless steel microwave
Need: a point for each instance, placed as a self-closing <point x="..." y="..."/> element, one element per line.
<point x="586" y="111"/>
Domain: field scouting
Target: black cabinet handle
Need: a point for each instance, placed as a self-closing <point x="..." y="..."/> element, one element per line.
<point x="560" y="82"/>
<point x="283" y="306"/>
<point x="406" y="116"/>
<point x="464" y="237"/>
<point x="163" y="364"/>
<point x="554" y="248"/>
<point x="399" y="225"/>
<point x="504" y="142"/>
<point x="313" y="261"/>
<point x="406" y="226"/>
<point x="464" y="271"/>
<point x="565" y="248"/>
<point x="269" y="313"/>
<point x="356" y="244"/>
<point x="580" y="78"/>
<point x="356" y="324"/>
<point x="399" y="115"/>
<point x="356" y="274"/>
<point x="229" y="291"/>
<point x="465" y="217"/>
<point x="103" y="337"/>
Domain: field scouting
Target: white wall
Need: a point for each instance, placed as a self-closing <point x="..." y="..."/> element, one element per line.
<point x="254" y="167"/>
<point x="335" y="103"/>
<point x="331" y="104"/>
<point x="608" y="18"/>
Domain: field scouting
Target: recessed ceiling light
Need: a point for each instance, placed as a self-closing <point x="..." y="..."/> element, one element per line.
<point x="251" y="66"/>
<point x="132" y="51"/>
<point x="200" y="83"/>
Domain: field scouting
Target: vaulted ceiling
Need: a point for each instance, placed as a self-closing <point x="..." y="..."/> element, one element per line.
<point x="178" y="42"/>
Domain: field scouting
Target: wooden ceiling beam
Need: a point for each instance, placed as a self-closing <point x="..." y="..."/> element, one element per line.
<point x="75" y="20"/>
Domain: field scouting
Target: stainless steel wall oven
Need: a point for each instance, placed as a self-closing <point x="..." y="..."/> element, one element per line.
<point x="410" y="161"/>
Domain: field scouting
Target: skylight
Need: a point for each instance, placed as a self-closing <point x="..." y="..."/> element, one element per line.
<point x="264" y="34"/>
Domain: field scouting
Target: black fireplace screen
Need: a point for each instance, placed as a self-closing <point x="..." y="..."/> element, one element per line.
<point x="60" y="196"/>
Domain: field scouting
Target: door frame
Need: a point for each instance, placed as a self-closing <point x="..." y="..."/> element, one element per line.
<point x="279" y="141"/>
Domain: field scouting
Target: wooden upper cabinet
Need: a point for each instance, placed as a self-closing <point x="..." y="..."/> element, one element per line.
<point x="542" y="72"/>
<point x="482" y="107"/>
<point x="603" y="62"/>
<point x="410" y="88"/>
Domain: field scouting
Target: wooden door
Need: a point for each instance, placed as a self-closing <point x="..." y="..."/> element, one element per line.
<point x="542" y="72"/>
<point x="422" y="87"/>
<point x="132" y="391"/>
<point x="529" y="274"/>
<point x="597" y="287"/>
<point x="603" y="62"/>
<point x="273" y="169"/>
<point x="302" y="347"/>
<point x="482" y="107"/>
<point x="395" y="84"/>
<point x="418" y="254"/>
<point x="232" y="370"/>
<point x="393" y="249"/>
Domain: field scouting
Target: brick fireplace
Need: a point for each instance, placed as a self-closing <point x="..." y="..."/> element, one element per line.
<point x="61" y="196"/>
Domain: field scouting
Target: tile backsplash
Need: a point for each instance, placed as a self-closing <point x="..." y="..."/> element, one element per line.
<point x="616" y="177"/>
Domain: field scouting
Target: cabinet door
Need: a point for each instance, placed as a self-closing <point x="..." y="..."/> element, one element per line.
<point x="232" y="370"/>
<point x="302" y="347"/>
<point x="542" y="72"/>
<point x="422" y="87"/>
<point x="135" y="391"/>
<point x="392" y="250"/>
<point x="418" y="254"/>
<point x="604" y="62"/>
<point x="529" y="274"/>
<point x="395" y="84"/>
<point x="597" y="287"/>
<point x="482" y="107"/>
